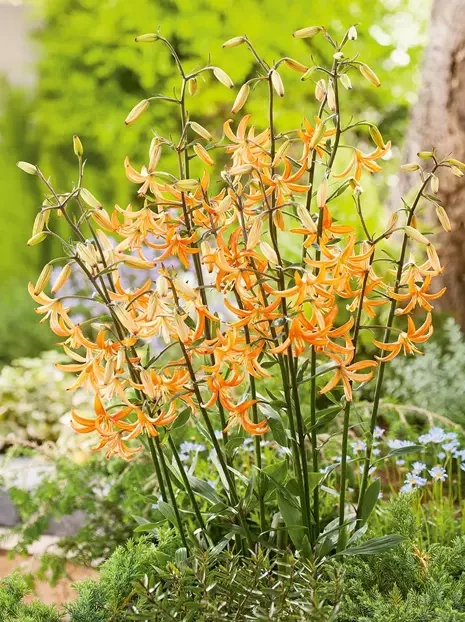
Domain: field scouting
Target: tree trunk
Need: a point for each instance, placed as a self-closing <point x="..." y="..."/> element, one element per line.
<point x="438" y="120"/>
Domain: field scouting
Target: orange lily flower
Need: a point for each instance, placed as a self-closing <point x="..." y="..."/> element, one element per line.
<point x="239" y="416"/>
<point x="364" y="161"/>
<point x="407" y="340"/>
<point x="416" y="295"/>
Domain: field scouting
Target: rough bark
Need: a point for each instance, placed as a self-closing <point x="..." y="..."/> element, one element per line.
<point x="438" y="119"/>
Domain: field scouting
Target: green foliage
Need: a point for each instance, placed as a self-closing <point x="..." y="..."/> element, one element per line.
<point x="109" y="494"/>
<point x="407" y="584"/>
<point x="12" y="608"/>
<point x="34" y="401"/>
<point x="205" y="587"/>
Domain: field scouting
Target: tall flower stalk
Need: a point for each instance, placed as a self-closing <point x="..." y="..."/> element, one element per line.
<point x="230" y="305"/>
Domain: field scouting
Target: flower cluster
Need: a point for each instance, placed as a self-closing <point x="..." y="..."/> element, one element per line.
<point x="227" y="239"/>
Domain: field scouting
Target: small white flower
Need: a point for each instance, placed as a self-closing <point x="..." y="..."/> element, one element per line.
<point x="376" y="451"/>
<point x="378" y="432"/>
<point x="418" y="467"/>
<point x="450" y="446"/>
<point x="441" y="455"/>
<point x="435" y="435"/>
<point x="406" y="488"/>
<point x="438" y="474"/>
<point x="400" y="462"/>
<point x="359" y="446"/>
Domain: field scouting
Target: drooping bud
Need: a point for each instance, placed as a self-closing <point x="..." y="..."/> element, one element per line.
<point x="306" y="219"/>
<point x="241" y="169"/>
<point x="200" y="130"/>
<point x="295" y="65"/>
<point x="414" y="234"/>
<point x="37" y="239"/>
<point x="193" y="86"/>
<point x="277" y="83"/>
<point x="392" y="222"/>
<point x="369" y="74"/>
<point x="234" y="42"/>
<point x="425" y="155"/>
<point x="269" y="253"/>
<point x="154" y="153"/>
<point x="87" y="253"/>
<point x="434" y="184"/>
<point x="223" y="77"/>
<point x="241" y="98"/>
<point x="255" y="231"/>
<point x="103" y="220"/>
<point x="320" y="90"/>
<point x="346" y="82"/>
<point x="443" y="218"/>
<point x="30" y="169"/>
<point x="202" y="153"/>
<point x="137" y="111"/>
<point x="62" y="278"/>
<point x="352" y="33"/>
<point x="77" y="146"/>
<point x="331" y="97"/>
<point x="322" y="194"/>
<point x="456" y="171"/>
<point x="187" y="185"/>
<point x="308" y="74"/>
<point x="281" y="153"/>
<point x="43" y="279"/>
<point x="40" y="222"/>
<point x="376" y="136"/>
<point x="318" y="134"/>
<point x="305" y="33"/>
<point x="410" y="167"/>
<point x="457" y="163"/>
<point x="89" y="198"/>
<point x="338" y="55"/>
<point x="148" y="38"/>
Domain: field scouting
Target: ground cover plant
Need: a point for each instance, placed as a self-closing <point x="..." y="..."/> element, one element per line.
<point x="250" y="326"/>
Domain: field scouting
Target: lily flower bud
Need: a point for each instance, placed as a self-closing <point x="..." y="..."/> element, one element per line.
<point x="377" y="137"/>
<point x="320" y="90"/>
<point x="137" y="111"/>
<point x="223" y="77"/>
<point x="269" y="253"/>
<point x="434" y="184"/>
<point x="414" y="234"/>
<point x="295" y="65"/>
<point x="30" y="169"/>
<point x="62" y="278"/>
<point x="148" y="38"/>
<point x="89" y="198"/>
<point x="410" y="167"/>
<point x="193" y="86"/>
<point x="443" y="218"/>
<point x="369" y="74"/>
<point x="43" y="279"/>
<point x="346" y="82"/>
<point x="202" y="153"/>
<point x="305" y="33"/>
<point x="234" y="42"/>
<point x="200" y="130"/>
<point x="352" y="33"/>
<point x="331" y="96"/>
<point x="77" y="146"/>
<point x="241" y="98"/>
<point x="277" y="83"/>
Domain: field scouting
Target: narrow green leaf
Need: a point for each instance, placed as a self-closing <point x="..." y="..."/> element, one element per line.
<point x="375" y="545"/>
<point x="371" y="497"/>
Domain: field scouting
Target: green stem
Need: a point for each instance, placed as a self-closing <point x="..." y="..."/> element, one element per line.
<point x="156" y="464"/>
<point x="387" y="334"/>
<point x="171" y="493"/>
<point x="187" y="484"/>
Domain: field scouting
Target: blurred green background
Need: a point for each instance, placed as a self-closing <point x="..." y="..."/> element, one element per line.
<point x="72" y="67"/>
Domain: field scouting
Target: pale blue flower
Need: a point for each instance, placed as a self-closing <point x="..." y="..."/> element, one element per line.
<point x="438" y="474"/>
